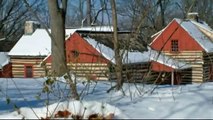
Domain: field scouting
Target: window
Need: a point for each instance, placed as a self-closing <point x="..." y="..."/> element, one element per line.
<point x="75" y="53"/>
<point x="28" y="71"/>
<point x="174" y="45"/>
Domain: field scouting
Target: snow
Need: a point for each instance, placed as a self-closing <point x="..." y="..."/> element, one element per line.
<point x="4" y="59"/>
<point x="153" y="55"/>
<point x="200" y="37"/>
<point x="39" y="43"/>
<point x="203" y="25"/>
<point x="144" y="102"/>
<point x="96" y="28"/>
<point x="137" y="57"/>
<point x="107" y="52"/>
<point x="192" y="27"/>
<point x="35" y="22"/>
<point x="159" y="32"/>
<point x="76" y="107"/>
<point x="193" y="13"/>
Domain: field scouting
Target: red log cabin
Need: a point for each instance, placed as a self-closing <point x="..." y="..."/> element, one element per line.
<point x="84" y="57"/>
<point x="190" y="41"/>
<point x="34" y="48"/>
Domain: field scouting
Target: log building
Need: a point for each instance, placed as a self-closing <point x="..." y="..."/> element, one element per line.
<point x="191" y="41"/>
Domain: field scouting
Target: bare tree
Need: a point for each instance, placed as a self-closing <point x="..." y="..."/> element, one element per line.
<point x="75" y="13"/>
<point x="96" y="13"/>
<point x="118" y="59"/>
<point x="57" y="12"/>
<point x="203" y="7"/>
<point x="89" y="19"/>
<point x="163" y="5"/>
<point x="162" y="10"/>
<point x="78" y="16"/>
<point x="13" y="16"/>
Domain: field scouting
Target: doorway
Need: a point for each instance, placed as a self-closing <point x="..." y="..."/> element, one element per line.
<point x="28" y="71"/>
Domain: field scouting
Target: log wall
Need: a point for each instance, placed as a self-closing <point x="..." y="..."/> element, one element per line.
<point x="186" y="76"/>
<point x="92" y="71"/>
<point x="18" y="65"/>
<point x="138" y="72"/>
<point x="96" y="71"/>
<point x="195" y="59"/>
<point x="208" y="62"/>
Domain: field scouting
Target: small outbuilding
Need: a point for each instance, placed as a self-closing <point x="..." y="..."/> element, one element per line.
<point x="154" y="67"/>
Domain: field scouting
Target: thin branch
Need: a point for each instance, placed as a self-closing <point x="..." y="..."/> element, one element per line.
<point x="98" y="12"/>
<point x="36" y="16"/>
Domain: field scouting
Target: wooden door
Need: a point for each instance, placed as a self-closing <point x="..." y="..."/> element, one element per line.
<point x="28" y="71"/>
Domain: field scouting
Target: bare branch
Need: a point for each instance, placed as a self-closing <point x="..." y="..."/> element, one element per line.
<point x="98" y="12"/>
<point x="36" y="16"/>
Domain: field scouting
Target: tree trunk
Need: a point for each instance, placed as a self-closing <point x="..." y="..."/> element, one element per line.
<point x="89" y="13"/>
<point x="162" y="10"/>
<point x="81" y="10"/>
<point x="57" y="12"/>
<point x="118" y="59"/>
<point x="57" y="25"/>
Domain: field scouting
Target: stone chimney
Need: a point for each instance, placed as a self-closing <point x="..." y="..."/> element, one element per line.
<point x="30" y="27"/>
<point x="193" y="16"/>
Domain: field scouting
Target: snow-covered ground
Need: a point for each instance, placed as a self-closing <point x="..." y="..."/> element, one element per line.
<point x="139" y="101"/>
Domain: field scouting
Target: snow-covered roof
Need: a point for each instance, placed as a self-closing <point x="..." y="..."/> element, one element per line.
<point x="4" y="59"/>
<point x="193" y="13"/>
<point x="96" y="28"/>
<point x="203" y="25"/>
<point x="35" y="22"/>
<point x="202" y="39"/>
<point x="107" y="52"/>
<point x="194" y="30"/>
<point x="39" y="43"/>
<point x="152" y="55"/>
<point x="137" y="57"/>
<point x="158" y="33"/>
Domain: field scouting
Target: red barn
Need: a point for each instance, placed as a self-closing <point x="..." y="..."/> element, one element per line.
<point x="79" y="50"/>
<point x="85" y="57"/>
<point x="191" y="41"/>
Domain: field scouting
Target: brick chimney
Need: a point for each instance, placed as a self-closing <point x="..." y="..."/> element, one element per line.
<point x="193" y="16"/>
<point x="30" y="27"/>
